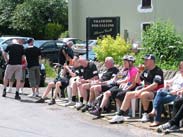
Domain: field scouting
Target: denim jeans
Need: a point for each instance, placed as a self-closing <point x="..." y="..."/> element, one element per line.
<point x="162" y="97"/>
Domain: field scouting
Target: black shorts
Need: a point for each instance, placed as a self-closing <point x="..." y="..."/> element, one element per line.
<point x="114" y="90"/>
<point x="64" y="81"/>
<point x="121" y="93"/>
<point x="106" y="87"/>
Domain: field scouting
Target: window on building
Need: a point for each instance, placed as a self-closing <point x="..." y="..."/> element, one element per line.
<point x="145" y="26"/>
<point x="146" y="4"/>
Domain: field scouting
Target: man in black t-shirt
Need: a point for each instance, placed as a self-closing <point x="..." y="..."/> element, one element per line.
<point x="153" y="80"/>
<point x="66" y="53"/>
<point x="89" y="73"/>
<point x="14" y="65"/>
<point x="33" y="54"/>
<point x="62" y="81"/>
<point x="101" y="85"/>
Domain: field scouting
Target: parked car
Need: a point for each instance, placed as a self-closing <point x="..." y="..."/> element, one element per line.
<point x="81" y="48"/>
<point x="50" y="49"/>
<point x="4" y="41"/>
<point x="74" y="40"/>
<point x="91" y="55"/>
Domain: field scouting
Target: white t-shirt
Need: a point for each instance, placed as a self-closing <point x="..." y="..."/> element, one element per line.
<point x="177" y="82"/>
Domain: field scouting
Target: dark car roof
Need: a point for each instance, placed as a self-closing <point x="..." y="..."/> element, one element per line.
<point x="39" y="43"/>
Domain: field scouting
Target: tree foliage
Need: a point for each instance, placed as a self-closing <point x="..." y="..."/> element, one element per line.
<point x="114" y="47"/>
<point x="164" y="42"/>
<point x="30" y="17"/>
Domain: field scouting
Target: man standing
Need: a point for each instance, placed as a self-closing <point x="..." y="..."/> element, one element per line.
<point x="32" y="54"/>
<point x="66" y="53"/>
<point x="16" y="53"/>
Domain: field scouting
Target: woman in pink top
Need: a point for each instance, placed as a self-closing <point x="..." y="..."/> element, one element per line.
<point x="122" y="85"/>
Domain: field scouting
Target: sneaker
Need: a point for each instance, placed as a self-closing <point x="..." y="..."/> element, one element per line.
<point x="163" y="127"/>
<point x="4" y="93"/>
<point x="17" y="96"/>
<point x="97" y="112"/>
<point x="41" y="100"/>
<point x="21" y="91"/>
<point x="36" y="94"/>
<point x="32" y="95"/>
<point x="9" y="90"/>
<point x="70" y="103"/>
<point x="79" y="106"/>
<point x="173" y="128"/>
<point x="52" y="102"/>
<point x="116" y="119"/>
<point x="85" y="108"/>
<point x="145" y="117"/>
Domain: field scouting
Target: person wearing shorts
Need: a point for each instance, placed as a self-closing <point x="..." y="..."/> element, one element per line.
<point x="14" y="66"/>
<point x="98" y="86"/>
<point x="60" y="83"/>
<point x="33" y="54"/>
<point x="22" y="82"/>
<point x="128" y="83"/>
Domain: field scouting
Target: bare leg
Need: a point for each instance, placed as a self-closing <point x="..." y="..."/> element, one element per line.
<point x="105" y="99"/>
<point x="57" y="89"/>
<point x="127" y="100"/>
<point x="48" y="89"/>
<point x="146" y="97"/>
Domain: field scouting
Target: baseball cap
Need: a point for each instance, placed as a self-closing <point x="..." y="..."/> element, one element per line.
<point x="149" y="56"/>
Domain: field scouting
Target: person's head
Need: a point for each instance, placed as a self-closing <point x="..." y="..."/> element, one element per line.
<point x="83" y="62"/>
<point x="30" y="42"/>
<point x="15" y="41"/>
<point x="149" y="61"/>
<point x="128" y="61"/>
<point x="69" y="44"/>
<point x="75" y="62"/>
<point x="109" y="62"/>
<point x="181" y="67"/>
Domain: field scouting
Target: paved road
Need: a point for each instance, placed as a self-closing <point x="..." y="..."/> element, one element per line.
<point x="27" y="119"/>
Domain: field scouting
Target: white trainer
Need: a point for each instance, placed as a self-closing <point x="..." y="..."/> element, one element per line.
<point x="21" y="91"/>
<point x="78" y="104"/>
<point x="9" y="90"/>
<point x="116" y="119"/>
<point x="32" y="95"/>
<point x="145" y="117"/>
<point x="36" y="94"/>
<point x="70" y="103"/>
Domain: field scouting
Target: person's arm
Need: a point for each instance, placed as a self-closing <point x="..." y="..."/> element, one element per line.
<point x="65" y="55"/>
<point x="71" y="73"/>
<point x="150" y="88"/>
<point x="5" y="55"/>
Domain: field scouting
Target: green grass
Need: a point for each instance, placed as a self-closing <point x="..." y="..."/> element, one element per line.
<point x="50" y="72"/>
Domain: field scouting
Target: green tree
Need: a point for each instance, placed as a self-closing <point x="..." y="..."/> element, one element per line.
<point x="30" y="17"/>
<point x="114" y="47"/>
<point x="52" y="30"/>
<point x="162" y="40"/>
<point x="6" y="9"/>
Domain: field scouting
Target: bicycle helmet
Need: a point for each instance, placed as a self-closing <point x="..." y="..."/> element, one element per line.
<point x="131" y="58"/>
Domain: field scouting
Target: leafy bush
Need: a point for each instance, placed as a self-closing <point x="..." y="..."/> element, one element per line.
<point x="53" y="30"/>
<point x="108" y="46"/>
<point x="162" y="40"/>
<point x="65" y="34"/>
<point x="50" y="72"/>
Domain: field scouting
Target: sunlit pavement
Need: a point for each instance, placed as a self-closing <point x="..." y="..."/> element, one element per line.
<point x="27" y="119"/>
